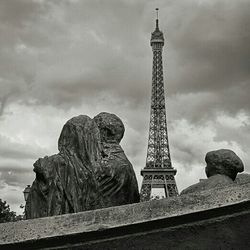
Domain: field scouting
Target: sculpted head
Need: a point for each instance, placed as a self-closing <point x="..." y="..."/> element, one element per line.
<point x="110" y="126"/>
<point x="224" y="162"/>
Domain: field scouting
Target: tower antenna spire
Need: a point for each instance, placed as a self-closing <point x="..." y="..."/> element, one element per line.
<point x="157" y="13"/>
<point x="157" y="16"/>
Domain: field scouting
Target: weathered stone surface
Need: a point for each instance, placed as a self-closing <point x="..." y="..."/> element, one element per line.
<point x="116" y="177"/>
<point x="215" y="181"/>
<point x="204" y="220"/>
<point x="90" y="171"/>
<point x="222" y="168"/>
<point x="242" y="178"/>
<point x="223" y="161"/>
<point x="110" y="126"/>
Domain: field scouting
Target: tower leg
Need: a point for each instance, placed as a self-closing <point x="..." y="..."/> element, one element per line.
<point x="166" y="191"/>
<point x="145" y="192"/>
<point x="172" y="190"/>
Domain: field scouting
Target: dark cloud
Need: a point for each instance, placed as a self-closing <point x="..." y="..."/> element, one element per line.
<point x="211" y="43"/>
<point x="81" y="55"/>
<point x="16" y="178"/>
<point x="14" y="150"/>
<point x="90" y="48"/>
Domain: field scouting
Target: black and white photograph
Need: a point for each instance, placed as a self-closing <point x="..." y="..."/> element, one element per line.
<point x="125" y="124"/>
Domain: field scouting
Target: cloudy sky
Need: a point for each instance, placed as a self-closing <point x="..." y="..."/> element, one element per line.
<point x="59" y="59"/>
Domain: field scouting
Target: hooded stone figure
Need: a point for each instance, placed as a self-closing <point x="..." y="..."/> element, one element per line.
<point x="87" y="173"/>
<point x="65" y="182"/>
<point x="116" y="177"/>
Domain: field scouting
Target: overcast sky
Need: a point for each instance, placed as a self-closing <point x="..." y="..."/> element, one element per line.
<point x="59" y="59"/>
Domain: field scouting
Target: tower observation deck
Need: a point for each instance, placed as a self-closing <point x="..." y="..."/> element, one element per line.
<point x="158" y="172"/>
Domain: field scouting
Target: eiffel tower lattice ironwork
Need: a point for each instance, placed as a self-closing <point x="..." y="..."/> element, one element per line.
<point x="158" y="172"/>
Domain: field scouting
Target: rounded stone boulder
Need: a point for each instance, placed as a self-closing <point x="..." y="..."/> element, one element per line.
<point x="223" y="162"/>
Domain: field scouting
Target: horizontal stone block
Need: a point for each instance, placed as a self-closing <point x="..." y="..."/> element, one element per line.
<point x="213" y="212"/>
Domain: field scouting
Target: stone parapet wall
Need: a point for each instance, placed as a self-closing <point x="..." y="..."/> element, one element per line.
<point x="219" y="216"/>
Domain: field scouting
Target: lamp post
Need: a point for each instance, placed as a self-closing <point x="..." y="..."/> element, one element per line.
<point x="26" y="192"/>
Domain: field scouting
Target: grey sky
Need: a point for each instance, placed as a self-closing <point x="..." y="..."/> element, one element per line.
<point x="63" y="58"/>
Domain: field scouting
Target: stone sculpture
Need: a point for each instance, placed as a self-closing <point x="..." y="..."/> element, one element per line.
<point x="221" y="170"/>
<point x="90" y="171"/>
<point x="223" y="162"/>
<point x="116" y="178"/>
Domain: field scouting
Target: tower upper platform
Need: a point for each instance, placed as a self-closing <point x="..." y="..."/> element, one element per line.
<point x="157" y="36"/>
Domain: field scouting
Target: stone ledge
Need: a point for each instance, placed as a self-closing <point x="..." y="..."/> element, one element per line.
<point x="115" y="218"/>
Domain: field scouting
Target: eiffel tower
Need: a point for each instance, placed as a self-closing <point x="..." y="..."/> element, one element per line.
<point x="158" y="172"/>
